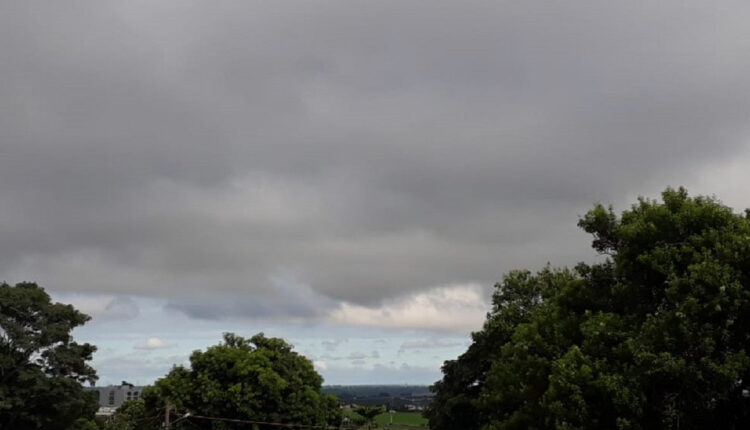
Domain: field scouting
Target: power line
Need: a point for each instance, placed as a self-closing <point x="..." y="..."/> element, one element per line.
<point x="276" y="424"/>
<point x="151" y="418"/>
<point x="239" y="421"/>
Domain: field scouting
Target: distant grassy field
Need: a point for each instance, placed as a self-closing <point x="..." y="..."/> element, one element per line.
<point x="401" y="420"/>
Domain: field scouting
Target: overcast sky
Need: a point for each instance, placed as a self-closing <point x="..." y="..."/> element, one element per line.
<point x="352" y="176"/>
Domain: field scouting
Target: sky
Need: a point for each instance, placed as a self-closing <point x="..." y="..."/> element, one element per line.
<point x="351" y="176"/>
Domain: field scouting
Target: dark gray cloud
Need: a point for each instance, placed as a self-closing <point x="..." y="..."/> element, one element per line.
<point x="364" y="150"/>
<point x="121" y="308"/>
<point x="289" y="301"/>
<point x="102" y="308"/>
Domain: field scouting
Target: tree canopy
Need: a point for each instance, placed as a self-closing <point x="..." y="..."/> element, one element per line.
<point x="41" y="367"/>
<point x="654" y="336"/>
<point x="257" y="379"/>
<point x="132" y="415"/>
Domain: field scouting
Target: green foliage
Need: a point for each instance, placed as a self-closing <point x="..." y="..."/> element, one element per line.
<point x="655" y="336"/>
<point x="257" y="379"/>
<point x="132" y="415"/>
<point x="84" y="424"/>
<point x="41" y="367"/>
<point x="456" y="396"/>
<point x="369" y="412"/>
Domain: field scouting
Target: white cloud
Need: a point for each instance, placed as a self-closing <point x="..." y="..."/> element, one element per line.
<point x="457" y="308"/>
<point x="154" y="343"/>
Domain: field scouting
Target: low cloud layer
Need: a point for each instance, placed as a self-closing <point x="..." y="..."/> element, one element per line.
<point x="428" y="344"/>
<point x="385" y="374"/>
<point x="459" y="308"/>
<point x="346" y="161"/>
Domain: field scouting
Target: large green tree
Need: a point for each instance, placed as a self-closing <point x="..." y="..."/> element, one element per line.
<point x="654" y="336"/>
<point x="257" y="379"/>
<point x="41" y="367"/>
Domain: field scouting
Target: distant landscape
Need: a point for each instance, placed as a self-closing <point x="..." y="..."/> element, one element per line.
<point x="403" y="404"/>
<point x="395" y="420"/>
<point x="396" y="397"/>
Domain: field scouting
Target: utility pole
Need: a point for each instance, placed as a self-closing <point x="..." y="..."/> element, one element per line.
<point x="167" y="425"/>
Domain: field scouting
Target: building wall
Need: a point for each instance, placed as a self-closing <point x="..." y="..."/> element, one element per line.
<point x="116" y="395"/>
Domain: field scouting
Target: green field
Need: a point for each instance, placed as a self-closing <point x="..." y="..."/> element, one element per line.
<point x="401" y="420"/>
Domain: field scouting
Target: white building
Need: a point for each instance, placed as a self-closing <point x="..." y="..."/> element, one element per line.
<point x="113" y="396"/>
